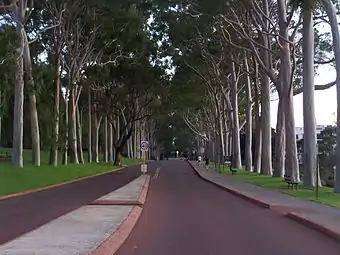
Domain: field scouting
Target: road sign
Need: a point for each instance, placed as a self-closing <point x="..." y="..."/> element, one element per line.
<point x="144" y="146"/>
<point x="144" y="168"/>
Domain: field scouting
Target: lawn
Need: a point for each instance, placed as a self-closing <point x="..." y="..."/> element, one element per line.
<point x="326" y="195"/>
<point x="14" y="179"/>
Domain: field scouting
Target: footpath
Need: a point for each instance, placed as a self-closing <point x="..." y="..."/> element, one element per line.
<point x="322" y="218"/>
<point x="98" y="228"/>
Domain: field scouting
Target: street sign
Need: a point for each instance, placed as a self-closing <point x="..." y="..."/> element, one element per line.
<point x="144" y="146"/>
<point x="144" y="168"/>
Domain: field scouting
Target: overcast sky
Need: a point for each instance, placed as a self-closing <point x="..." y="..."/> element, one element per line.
<point x="325" y="101"/>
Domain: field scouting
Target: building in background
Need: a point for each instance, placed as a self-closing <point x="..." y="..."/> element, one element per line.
<point x="299" y="131"/>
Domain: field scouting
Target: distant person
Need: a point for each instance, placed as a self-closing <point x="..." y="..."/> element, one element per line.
<point x="199" y="160"/>
<point x="207" y="163"/>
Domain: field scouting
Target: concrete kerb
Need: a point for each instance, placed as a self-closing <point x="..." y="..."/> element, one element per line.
<point x="26" y="192"/>
<point x="112" y="244"/>
<point x="234" y="192"/>
<point x="291" y="215"/>
<point x="313" y="225"/>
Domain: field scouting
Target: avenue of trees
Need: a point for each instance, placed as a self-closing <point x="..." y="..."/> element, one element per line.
<point x="77" y="75"/>
<point x="101" y="76"/>
<point x="230" y="56"/>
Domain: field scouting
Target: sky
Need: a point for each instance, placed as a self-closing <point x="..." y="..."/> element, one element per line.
<point x="325" y="101"/>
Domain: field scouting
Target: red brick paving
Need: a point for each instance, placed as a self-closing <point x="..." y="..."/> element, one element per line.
<point x="185" y="215"/>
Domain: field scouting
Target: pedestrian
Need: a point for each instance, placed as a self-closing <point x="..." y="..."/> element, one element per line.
<point x="199" y="159"/>
<point x="207" y="163"/>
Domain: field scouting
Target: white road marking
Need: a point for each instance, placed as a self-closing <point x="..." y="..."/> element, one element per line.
<point x="158" y="169"/>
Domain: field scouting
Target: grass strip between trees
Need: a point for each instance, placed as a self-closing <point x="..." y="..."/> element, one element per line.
<point x="326" y="195"/>
<point x="14" y="179"/>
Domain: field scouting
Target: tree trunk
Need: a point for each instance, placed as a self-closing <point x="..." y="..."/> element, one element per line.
<point x="236" y="150"/>
<point x="110" y="151"/>
<point x="309" y="125"/>
<point x="80" y="136"/>
<point x="249" y="117"/>
<point x="266" y="146"/>
<point x="291" y="166"/>
<point x="279" y="163"/>
<point x="32" y="100"/>
<point x="258" y="128"/>
<point x="18" y="111"/>
<point x="56" y="105"/>
<point x="95" y="132"/>
<point x="105" y="138"/>
<point x="331" y="13"/>
<point x="72" y="127"/>
<point x="65" y="153"/>
<point x="89" y="138"/>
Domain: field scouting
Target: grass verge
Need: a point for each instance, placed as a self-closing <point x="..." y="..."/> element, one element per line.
<point x="326" y="195"/>
<point x="14" y="179"/>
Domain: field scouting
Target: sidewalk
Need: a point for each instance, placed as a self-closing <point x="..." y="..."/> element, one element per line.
<point x="320" y="217"/>
<point x="96" y="229"/>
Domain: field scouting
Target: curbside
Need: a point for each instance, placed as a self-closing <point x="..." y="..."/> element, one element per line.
<point x="234" y="192"/>
<point x="26" y="192"/>
<point x="313" y="225"/>
<point x="112" y="244"/>
<point x="291" y="215"/>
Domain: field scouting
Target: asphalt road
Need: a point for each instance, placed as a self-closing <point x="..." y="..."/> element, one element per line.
<point x="19" y="215"/>
<point x="185" y="215"/>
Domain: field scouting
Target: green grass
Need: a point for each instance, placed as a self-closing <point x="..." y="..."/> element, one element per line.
<point x="14" y="179"/>
<point x="326" y="195"/>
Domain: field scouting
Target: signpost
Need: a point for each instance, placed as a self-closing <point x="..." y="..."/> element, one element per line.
<point x="317" y="170"/>
<point x="144" y="147"/>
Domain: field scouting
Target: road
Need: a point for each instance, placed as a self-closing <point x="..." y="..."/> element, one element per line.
<point x="19" y="215"/>
<point x="185" y="215"/>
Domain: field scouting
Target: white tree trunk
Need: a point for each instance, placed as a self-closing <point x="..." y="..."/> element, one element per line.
<point x="309" y="123"/>
<point x="331" y="13"/>
<point x="236" y="150"/>
<point x="32" y="101"/>
<point x="110" y="151"/>
<point x="291" y="166"/>
<point x="249" y="118"/>
<point x="105" y="138"/>
<point x="18" y="111"/>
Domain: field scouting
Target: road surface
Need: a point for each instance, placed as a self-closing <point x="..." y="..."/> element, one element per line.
<point x="185" y="215"/>
<point x="19" y="215"/>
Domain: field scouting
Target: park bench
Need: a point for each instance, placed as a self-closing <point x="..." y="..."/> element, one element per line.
<point x="233" y="170"/>
<point x="290" y="183"/>
<point x="5" y="156"/>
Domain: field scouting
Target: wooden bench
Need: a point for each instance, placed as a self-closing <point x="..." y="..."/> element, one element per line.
<point x="290" y="183"/>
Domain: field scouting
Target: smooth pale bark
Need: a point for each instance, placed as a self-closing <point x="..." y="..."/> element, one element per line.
<point x="291" y="163"/>
<point x="249" y="118"/>
<point x="65" y="152"/>
<point x="135" y="141"/>
<point x="80" y="136"/>
<point x="258" y="128"/>
<point x="56" y="111"/>
<point x="95" y="135"/>
<point x="236" y="150"/>
<point x="331" y="13"/>
<point x="280" y="144"/>
<point x="110" y="149"/>
<point x="309" y="123"/>
<point x="32" y="102"/>
<point x="105" y="142"/>
<point x="72" y="127"/>
<point x="89" y="131"/>
<point x="266" y="143"/>
<point x="18" y="111"/>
